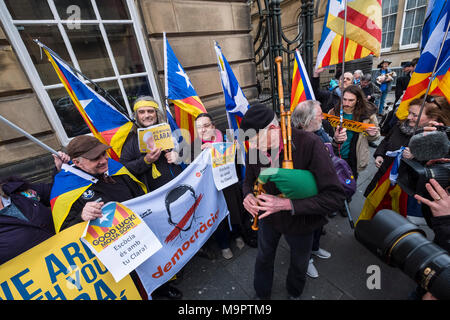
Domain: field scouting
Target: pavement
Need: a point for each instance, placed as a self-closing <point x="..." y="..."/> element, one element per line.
<point x="344" y="276"/>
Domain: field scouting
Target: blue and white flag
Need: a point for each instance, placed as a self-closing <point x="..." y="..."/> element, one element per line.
<point x="394" y="171"/>
<point x="236" y="103"/>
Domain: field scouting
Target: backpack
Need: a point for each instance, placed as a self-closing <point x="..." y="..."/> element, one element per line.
<point x="343" y="171"/>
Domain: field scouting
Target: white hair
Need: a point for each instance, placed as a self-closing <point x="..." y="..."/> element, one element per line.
<point x="304" y="113"/>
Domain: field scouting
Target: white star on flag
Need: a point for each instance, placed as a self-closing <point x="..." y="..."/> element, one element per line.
<point x="184" y="75"/>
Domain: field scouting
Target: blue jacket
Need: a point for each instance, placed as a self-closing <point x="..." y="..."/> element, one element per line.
<point x="17" y="235"/>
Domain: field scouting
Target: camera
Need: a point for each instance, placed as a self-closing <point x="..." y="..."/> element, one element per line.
<point x="412" y="176"/>
<point x="426" y="146"/>
<point x="401" y="244"/>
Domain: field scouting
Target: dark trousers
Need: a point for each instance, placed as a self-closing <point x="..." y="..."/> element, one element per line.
<point x="300" y="250"/>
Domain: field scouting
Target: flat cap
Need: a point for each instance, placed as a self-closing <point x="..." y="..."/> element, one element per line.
<point x="257" y="117"/>
<point x="86" y="147"/>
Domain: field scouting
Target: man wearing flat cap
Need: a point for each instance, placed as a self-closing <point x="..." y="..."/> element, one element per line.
<point x="80" y="191"/>
<point x="296" y="219"/>
<point x="156" y="167"/>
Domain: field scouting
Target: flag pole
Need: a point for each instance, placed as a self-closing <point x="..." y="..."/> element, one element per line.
<point x="341" y="113"/>
<point x="103" y="91"/>
<point x="29" y="136"/>
<point x="432" y="76"/>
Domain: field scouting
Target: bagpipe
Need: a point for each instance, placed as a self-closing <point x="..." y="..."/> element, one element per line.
<point x="286" y="178"/>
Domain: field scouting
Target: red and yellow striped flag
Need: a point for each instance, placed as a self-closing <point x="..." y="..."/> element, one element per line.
<point x="363" y="22"/>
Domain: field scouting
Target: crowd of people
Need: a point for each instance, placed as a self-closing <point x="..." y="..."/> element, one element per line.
<point x="26" y="219"/>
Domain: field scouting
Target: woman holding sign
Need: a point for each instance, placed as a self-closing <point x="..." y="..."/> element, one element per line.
<point x="206" y="135"/>
<point x="154" y="166"/>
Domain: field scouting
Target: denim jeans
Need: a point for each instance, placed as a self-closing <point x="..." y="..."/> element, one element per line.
<point x="300" y="251"/>
<point x="382" y="101"/>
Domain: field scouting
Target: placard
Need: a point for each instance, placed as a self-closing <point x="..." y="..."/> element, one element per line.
<point x="223" y="166"/>
<point x="120" y="239"/>
<point x="159" y="136"/>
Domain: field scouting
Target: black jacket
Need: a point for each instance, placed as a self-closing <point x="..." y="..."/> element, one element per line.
<point x="328" y="99"/>
<point x="133" y="160"/>
<point x="393" y="141"/>
<point x="309" y="214"/>
<point x="16" y="235"/>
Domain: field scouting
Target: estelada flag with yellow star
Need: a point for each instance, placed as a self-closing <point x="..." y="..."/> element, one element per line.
<point x="181" y="92"/>
<point x="363" y="22"/>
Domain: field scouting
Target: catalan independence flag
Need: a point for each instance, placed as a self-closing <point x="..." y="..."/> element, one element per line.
<point x="236" y="104"/>
<point x="301" y="89"/>
<point x="180" y="91"/>
<point x="384" y="196"/>
<point x="106" y="123"/>
<point x="420" y="79"/>
<point x="331" y="47"/>
<point x="70" y="183"/>
<point x="363" y="22"/>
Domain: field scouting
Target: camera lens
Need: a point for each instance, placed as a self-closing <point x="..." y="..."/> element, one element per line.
<point x="401" y="244"/>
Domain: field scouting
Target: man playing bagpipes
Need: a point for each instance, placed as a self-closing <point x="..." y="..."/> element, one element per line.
<point x="294" y="203"/>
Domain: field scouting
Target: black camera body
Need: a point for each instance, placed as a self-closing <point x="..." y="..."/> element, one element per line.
<point x="426" y="146"/>
<point x="402" y="244"/>
<point x="412" y="176"/>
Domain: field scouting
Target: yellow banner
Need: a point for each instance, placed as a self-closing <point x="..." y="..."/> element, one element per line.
<point x="62" y="268"/>
<point x="347" y="124"/>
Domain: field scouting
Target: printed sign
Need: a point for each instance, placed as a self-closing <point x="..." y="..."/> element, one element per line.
<point x="62" y="268"/>
<point x="159" y="136"/>
<point x="223" y="166"/>
<point x="183" y="214"/>
<point x="120" y="239"/>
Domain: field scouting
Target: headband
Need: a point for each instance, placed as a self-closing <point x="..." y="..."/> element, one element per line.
<point x="145" y="103"/>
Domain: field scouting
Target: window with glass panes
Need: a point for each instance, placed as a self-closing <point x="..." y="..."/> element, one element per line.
<point x="389" y="18"/>
<point x="97" y="37"/>
<point x="413" y="21"/>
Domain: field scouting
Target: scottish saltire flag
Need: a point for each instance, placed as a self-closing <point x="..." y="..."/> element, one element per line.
<point x="363" y="22"/>
<point x="331" y="47"/>
<point x="180" y="91"/>
<point x="440" y="82"/>
<point x="236" y="103"/>
<point x="434" y="11"/>
<point x="301" y="89"/>
<point x="70" y="183"/>
<point x="107" y="124"/>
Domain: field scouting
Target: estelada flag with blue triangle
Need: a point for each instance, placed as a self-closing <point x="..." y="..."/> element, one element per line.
<point x="301" y="89"/>
<point x="70" y="183"/>
<point x="106" y="123"/>
<point x="236" y="104"/>
<point x="437" y="26"/>
<point x="181" y="92"/>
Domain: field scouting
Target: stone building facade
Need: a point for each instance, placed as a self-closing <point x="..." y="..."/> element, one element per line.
<point x="118" y="44"/>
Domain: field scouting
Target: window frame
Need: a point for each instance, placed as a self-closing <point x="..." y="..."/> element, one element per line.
<point x="411" y="45"/>
<point x="388" y="49"/>
<point x="9" y="25"/>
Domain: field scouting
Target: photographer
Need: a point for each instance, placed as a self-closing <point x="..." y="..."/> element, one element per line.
<point x="440" y="211"/>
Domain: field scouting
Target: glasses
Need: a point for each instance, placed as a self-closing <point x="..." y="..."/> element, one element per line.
<point x="432" y="99"/>
<point x="205" y="126"/>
